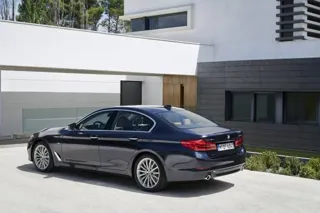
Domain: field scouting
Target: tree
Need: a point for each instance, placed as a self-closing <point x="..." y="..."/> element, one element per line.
<point x="113" y="10"/>
<point x="13" y="10"/>
<point x="34" y="11"/>
<point x="5" y="9"/>
<point x="68" y="13"/>
<point x="81" y="14"/>
<point x="94" y="16"/>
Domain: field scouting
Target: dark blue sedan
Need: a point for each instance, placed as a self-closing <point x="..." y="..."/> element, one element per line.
<point x="153" y="144"/>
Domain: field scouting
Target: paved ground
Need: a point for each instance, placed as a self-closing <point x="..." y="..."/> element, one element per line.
<point x="22" y="189"/>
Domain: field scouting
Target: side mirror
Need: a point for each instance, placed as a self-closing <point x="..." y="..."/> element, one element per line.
<point x="72" y="126"/>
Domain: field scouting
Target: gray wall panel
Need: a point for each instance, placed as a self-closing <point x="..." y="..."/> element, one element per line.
<point x="214" y="78"/>
<point x="26" y="111"/>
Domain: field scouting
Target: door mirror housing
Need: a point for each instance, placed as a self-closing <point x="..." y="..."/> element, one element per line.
<point x="72" y="126"/>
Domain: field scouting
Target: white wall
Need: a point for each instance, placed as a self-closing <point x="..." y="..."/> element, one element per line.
<point x="36" y="47"/>
<point x="63" y="94"/>
<point x="21" y="81"/>
<point x="238" y="30"/>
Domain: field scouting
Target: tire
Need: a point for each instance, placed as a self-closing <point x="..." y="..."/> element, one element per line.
<point x="42" y="157"/>
<point x="153" y="181"/>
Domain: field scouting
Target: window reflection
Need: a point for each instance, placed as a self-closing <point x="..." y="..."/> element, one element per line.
<point x="302" y="107"/>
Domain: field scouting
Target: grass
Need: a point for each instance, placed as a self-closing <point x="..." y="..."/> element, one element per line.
<point x="296" y="153"/>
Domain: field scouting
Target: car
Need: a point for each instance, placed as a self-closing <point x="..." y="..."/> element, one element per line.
<point x="155" y="145"/>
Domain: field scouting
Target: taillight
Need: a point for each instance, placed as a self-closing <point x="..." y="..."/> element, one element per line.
<point x="199" y="145"/>
<point x="239" y="141"/>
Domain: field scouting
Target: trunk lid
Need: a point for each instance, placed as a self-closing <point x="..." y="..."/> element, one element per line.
<point x="223" y="138"/>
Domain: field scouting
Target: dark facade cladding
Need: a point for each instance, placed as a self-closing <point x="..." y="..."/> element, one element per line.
<point x="275" y="102"/>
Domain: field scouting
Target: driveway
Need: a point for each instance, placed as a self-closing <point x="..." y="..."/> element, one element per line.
<point x="25" y="190"/>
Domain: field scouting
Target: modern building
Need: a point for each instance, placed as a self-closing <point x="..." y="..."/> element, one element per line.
<point x="250" y="64"/>
<point x="260" y="70"/>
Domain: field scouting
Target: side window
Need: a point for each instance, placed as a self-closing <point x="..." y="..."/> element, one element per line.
<point x="100" y="121"/>
<point x="130" y="121"/>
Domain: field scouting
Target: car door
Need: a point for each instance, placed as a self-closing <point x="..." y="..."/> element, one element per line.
<point x="81" y="145"/>
<point x="117" y="147"/>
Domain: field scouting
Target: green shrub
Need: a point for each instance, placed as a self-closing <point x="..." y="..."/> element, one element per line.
<point x="293" y="164"/>
<point x="312" y="169"/>
<point x="308" y="172"/>
<point x="315" y="164"/>
<point x="271" y="160"/>
<point x="285" y="171"/>
<point x="255" y="163"/>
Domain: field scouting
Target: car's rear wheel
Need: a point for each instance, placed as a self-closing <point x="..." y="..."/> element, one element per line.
<point x="42" y="157"/>
<point x="149" y="174"/>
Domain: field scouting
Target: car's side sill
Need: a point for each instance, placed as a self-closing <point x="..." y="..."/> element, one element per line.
<point x="93" y="168"/>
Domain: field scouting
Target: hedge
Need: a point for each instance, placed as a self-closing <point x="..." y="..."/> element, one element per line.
<point x="270" y="162"/>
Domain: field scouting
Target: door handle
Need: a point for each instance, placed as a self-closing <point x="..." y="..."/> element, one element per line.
<point x="133" y="139"/>
<point x="94" y="137"/>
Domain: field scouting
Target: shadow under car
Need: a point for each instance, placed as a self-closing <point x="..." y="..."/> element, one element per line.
<point x="175" y="189"/>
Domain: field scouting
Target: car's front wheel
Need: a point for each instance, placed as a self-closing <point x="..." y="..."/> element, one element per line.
<point x="149" y="174"/>
<point x="42" y="157"/>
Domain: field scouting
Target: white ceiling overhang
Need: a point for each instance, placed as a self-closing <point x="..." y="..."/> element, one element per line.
<point x="54" y="49"/>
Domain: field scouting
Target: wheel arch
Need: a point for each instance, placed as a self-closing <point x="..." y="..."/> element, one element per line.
<point x="144" y="152"/>
<point x="35" y="143"/>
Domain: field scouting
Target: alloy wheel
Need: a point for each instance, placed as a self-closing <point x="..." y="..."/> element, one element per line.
<point x="148" y="173"/>
<point x="41" y="157"/>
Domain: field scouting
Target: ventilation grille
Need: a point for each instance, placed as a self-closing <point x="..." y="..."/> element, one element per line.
<point x="298" y="19"/>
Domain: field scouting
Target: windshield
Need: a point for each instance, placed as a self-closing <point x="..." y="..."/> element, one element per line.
<point x="186" y="119"/>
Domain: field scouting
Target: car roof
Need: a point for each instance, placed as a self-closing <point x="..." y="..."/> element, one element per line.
<point x="142" y="108"/>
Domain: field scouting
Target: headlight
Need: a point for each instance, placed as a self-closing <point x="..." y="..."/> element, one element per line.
<point x="31" y="137"/>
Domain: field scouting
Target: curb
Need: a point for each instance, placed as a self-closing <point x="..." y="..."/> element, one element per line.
<point x="13" y="141"/>
<point x="282" y="157"/>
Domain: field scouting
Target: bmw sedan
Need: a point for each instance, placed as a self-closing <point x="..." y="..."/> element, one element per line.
<point x="154" y="145"/>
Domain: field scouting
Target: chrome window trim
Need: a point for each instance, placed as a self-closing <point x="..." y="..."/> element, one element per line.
<point x="119" y="110"/>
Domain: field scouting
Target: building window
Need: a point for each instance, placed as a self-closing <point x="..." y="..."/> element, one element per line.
<point x="301" y="107"/>
<point x="241" y="106"/>
<point x="265" y="107"/>
<point x="160" y="22"/>
<point x="138" y="24"/>
<point x="168" y="21"/>
<point x="251" y="106"/>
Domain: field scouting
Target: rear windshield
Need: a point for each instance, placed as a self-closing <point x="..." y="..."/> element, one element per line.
<point x="185" y="119"/>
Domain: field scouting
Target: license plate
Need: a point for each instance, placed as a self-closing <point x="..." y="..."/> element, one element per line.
<point x="225" y="146"/>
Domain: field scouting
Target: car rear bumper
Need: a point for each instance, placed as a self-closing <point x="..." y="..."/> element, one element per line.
<point x="200" y="170"/>
<point x="227" y="170"/>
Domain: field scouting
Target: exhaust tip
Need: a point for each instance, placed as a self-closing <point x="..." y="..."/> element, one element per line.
<point x="208" y="177"/>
